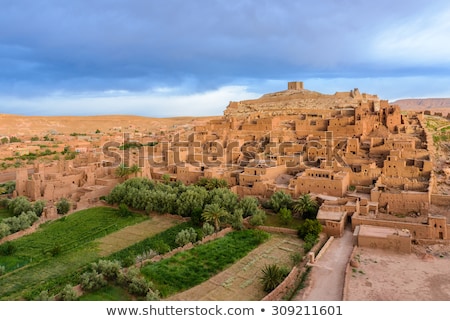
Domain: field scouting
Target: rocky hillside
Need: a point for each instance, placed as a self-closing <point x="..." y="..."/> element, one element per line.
<point x="418" y="104"/>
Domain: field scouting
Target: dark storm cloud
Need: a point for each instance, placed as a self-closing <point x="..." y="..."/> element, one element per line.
<point x="73" y="47"/>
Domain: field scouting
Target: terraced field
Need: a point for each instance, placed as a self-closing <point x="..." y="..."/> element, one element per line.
<point x="240" y="282"/>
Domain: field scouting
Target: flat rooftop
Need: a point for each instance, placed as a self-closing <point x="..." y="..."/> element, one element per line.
<point x="381" y="231"/>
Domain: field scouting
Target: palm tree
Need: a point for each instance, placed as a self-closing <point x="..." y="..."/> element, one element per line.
<point x="135" y="169"/>
<point x="306" y="206"/>
<point x="213" y="213"/>
<point x="272" y="276"/>
<point x="122" y="170"/>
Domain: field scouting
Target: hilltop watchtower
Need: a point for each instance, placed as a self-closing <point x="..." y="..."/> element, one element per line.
<point x="295" y="85"/>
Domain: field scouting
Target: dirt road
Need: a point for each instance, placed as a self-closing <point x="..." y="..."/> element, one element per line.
<point x="326" y="280"/>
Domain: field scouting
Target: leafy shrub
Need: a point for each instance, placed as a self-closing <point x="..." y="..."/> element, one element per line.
<point x="207" y="229"/>
<point x="237" y="219"/>
<point x="280" y="199"/>
<point x="309" y="226"/>
<point x="38" y="207"/>
<point x="285" y="216"/>
<point x="2" y="270"/>
<point x="186" y="236"/>
<point x="68" y="293"/>
<point x="109" y="269"/>
<point x="43" y="296"/>
<point x="5" y="230"/>
<point x="153" y="295"/>
<point x="92" y="280"/>
<point x="258" y="218"/>
<point x="19" y="205"/>
<point x="63" y="206"/>
<point x="134" y="282"/>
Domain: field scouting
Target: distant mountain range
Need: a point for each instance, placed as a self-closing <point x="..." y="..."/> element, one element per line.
<point x="418" y="104"/>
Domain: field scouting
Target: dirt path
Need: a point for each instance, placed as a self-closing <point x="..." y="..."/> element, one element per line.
<point x="326" y="280"/>
<point x="240" y="282"/>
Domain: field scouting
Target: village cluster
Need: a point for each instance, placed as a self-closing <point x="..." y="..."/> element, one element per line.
<point x="366" y="162"/>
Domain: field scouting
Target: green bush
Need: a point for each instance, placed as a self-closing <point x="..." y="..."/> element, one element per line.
<point x="68" y="293"/>
<point x="258" y="218"/>
<point x="92" y="280"/>
<point x="309" y="226"/>
<point x="63" y="206"/>
<point x="207" y="229"/>
<point x="285" y="216"/>
<point x="186" y="236"/>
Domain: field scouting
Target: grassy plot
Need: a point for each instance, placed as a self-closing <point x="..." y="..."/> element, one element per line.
<point x="189" y="268"/>
<point x="162" y="242"/>
<point x="130" y="235"/>
<point x="71" y="232"/>
<point x="274" y="220"/>
<point x="108" y="293"/>
<point x="58" y="251"/>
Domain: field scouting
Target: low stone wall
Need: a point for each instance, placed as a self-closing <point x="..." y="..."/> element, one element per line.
<point x="291" y="281"/>
<point x="273" y="229"/>
<point x="348" y="274"/>
<point x="188" y="246"/>
<point x="440" y="200"/>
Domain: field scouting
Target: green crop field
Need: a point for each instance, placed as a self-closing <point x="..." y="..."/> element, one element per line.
<point x="57" y="252"/>
<point x="189" y="268"/>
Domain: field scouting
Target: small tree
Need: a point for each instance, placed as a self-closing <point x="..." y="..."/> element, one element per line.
<point x="63" y="206"/>
<point x="280" y="199"/>
<point x="249" y="205"/>
<point x="258" y="218"/>
<point x="306" y="206"/>
<point x="38" y="207"/>
<point x="19" y="205"/>
<point x="213" y="213"/>
<point x="310" y="227"/>
<point x="285" y="216"/>
<point x="237" y="219"/>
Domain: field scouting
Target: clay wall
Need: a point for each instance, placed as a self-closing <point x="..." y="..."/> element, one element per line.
<point x="188" y="174"/>
<point x="440" y="200"/>
<point x="418" y="230"/>
<point x="259" y="174"/>
<point x="334" y="228"/>
<point x="322" y="182"/>
<point x="395" y="243"/>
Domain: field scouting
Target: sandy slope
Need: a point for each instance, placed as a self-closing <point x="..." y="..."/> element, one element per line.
<point x="41" y="125"/>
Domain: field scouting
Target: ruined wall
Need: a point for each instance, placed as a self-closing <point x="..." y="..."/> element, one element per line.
<point x="395" y="243"/>
<point x="418" y="230"/>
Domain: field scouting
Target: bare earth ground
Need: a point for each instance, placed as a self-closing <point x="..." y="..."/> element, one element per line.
<point x="240" y="282"/>
<point x="386" y="276"/>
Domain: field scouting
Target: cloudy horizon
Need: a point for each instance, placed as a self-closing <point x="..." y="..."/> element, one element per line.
<point x="176" y="58"/>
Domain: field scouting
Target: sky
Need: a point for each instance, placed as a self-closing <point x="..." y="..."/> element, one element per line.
<point x="164" y="58"/>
